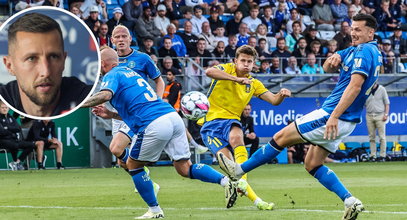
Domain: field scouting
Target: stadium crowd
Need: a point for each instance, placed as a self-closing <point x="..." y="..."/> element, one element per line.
<point x="211" y="31"/>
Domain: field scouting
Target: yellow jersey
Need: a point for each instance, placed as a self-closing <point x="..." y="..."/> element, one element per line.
<point x="227" y="98"/>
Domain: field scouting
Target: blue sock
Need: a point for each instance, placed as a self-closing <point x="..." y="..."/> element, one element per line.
<point x="261" y="156"/>
<point x="328" y="178"/>
<point x="205" y="173"/>
<point x="144" y="186"/>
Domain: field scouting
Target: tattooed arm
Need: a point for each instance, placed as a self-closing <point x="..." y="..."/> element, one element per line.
<point x="97" y="99"/>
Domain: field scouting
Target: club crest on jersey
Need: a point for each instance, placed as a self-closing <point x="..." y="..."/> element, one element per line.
<point x="357" y="62"/>
<point x="131" y="64"/>
<point x="248" y="87"/>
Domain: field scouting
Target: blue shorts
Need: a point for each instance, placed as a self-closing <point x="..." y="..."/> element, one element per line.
<point x="215" y="134"/>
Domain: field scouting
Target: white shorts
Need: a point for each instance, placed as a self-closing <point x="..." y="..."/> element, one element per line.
<point x="164" y="133"/>
<point x="312" y="127"/>
<point x="120" y="126"/>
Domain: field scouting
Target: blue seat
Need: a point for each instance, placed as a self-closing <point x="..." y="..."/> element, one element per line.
<point x="111" y="2"/>
<point x="226" y="18"/>
<point x="381" y="34"/>
<point x="388" y="34"/>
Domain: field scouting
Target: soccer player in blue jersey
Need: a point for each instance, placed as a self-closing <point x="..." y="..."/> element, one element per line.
<point x="325" y="128"/>
<point x="157" y="125"/>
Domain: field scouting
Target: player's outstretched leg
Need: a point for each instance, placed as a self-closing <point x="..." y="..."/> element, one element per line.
<point x="206" y="173"/>
<point x="327" y="177"/>
<point x="241" y="155"/>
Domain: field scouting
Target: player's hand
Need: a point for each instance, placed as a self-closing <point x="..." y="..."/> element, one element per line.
<point x="243" y="80"/>
<point x="331" y="130"/>
<point x="102" y="112"/>
<point x="251" y="135"/>
<point x="284" y="93"/>
<point x="385" y="117"/>
<point x="334" y="61"/>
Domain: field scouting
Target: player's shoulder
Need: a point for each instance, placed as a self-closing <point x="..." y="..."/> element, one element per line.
<point x="140" y="54"/>
<point x="226" y="67"/>
<point x="369" y="47"/>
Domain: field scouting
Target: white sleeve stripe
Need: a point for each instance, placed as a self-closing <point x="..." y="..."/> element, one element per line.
<point x="360" y="72"/>
<point x="108" y="89"/>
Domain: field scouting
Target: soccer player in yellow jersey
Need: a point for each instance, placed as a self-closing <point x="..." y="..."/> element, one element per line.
<point x="231" y="89"/>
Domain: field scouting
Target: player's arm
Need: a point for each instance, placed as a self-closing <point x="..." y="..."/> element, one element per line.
<point x="105" y="113"/>
<point x="159" y="86"/>
<point x="98" y="98"/>
<point x="348" y="97"/>
<point x="277" y="98"/>
<point x="215" y="73"/>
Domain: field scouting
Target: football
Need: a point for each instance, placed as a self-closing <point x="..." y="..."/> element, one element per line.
<point x="194" y="105"/>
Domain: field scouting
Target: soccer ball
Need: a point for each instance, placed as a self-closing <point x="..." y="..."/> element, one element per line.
<point x="194" y="105"/>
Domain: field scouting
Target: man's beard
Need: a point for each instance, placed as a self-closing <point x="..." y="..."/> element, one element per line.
<point x="44" y="99"/>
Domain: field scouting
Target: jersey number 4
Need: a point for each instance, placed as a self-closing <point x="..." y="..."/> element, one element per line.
<point x="150" y="95"/>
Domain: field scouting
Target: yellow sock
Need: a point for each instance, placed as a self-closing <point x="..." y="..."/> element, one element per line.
<point x="241" y="156"/>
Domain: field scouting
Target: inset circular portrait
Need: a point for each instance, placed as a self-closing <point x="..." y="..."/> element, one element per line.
<point x="50" y="62"/>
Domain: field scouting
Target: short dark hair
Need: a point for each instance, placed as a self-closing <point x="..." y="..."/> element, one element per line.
<point x="33" y="23"/>
<point x="248" y="50"/>
<point x="369" y="19"/>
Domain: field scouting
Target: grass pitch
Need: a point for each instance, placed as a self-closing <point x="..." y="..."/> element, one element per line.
<point x="108" y="194"/>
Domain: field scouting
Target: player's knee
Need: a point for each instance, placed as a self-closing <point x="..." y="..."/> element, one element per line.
<point x="310" y="166"/>
<point x="236" y="139"/>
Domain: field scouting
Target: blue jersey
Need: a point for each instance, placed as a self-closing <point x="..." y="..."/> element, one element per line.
<point x="133" y="98"/>
<point x="140" y="63"/>
<point x="365" y="59"/>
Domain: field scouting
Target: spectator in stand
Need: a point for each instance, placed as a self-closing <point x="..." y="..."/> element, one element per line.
<point x="243" y="35"/>
<point x="390" y="64"/>
<point x="385" y="20"/>
<point x="132" y="9"/>
<point x="75" y="10"/>
<point x="252" y="21"/>
<point x="281" y="51"/>
<point x="322" y="15"/>
<point x="294" y="16"/>
<point x="168" y="66"/>
<point x="220" y="35"/>
<point x="340" y="13"/>
<point x="311" y="36"/>
<point x="395" y="9"/>
<point x="197" y="20"/>
<point x="263" y="51"/>
<point x="305" y="7"/>
<point x="145" y="27"/>
<point x="311" y="67"/>
<point x="371" y="5"/>
<point x="172" y="92"/>
<point x="250" y="136"/>
<point x="352" y="11"/>
<point x="301" y="52"/>
<point x="291" y="39"/>
<point x="399" y="44"/>
<point x="148" y="43"/>
<point x="343" y="36"/>
<point x="116" y="19"/>
<point x="292" y="67"/>
<point x="174" y="12"/>
<point x="358" y="6"/>
<point x="167" y="50"/>
<point x="316" y="50"/>
<point x="264" y="67"/>
<point x="231" y="48"/>
<point x="204" y="54"/>
<point x="161" y="21"/>
<point x="103" y="37"/>
<point x="214" y="20"/>
<point x="93" y="21"/>
<point x="280" y="17"/>
<point x="208" y="36"/>
<point x="261" y="33"/>
<point x="275" y="65"/>
<point x="177" y="42"/>
<point x="87" y="6"/>
<point x="268" y="20"/>
<point x="245" y="7"/>
<point x="219" y="52"/>
<point x="232" y="26"/>
<point x="297" y="153"/>
<point x="332" y="46"/>
<point x="189" y="38"/>
<point x="23" y="4"/>
<point x="11" y="138"/>
<point x="194" y="3"/>
<point x="43" y="134"/>
<point x="153" y="5"/>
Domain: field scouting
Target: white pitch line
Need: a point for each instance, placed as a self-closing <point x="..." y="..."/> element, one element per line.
<point x="202" y="208"/>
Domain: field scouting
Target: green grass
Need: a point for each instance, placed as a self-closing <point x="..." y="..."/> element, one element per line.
<point x="108" y="194"/>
